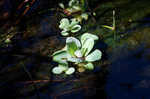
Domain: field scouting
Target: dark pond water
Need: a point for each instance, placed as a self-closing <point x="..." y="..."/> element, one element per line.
<point x="25" y="63"/>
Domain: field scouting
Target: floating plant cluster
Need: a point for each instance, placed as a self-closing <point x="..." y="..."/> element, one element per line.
<point x="76" y="8"/>
<point x="76" y="54"/>
<point x="69" y="27"/>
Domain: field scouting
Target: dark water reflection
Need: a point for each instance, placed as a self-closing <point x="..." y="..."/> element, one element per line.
<point x="129" y="74"/>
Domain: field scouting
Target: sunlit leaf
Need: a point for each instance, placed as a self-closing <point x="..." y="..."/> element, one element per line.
<point x="60" y="57"/>
<point x="75" y="28"/>
<point x="94" y="56"/>
<point x="63" y="67"/>
<point x="78" y="53"/>
<point x="70" y="71"/>
<point x="87" y="46"/>
<point x="64" y="33"/>
<point x="74" y="22"/>
<point x="61" y="5"/>
<point x="87" y="36"/>
<point x="73" y="59"/>
<point x="73" y="44"/>
<point x="64" y="23"/>
<point x="73" y="2"/>
<point x="76" y="8"/>
<point x="84" y="16"/>
<point x="57" y="70"/>
<point x="89" y="66"/>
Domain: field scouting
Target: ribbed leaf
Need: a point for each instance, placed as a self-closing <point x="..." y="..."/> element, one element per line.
<point x="94" y="56"/>
<point x="87" y="46"/>
<point x="87" y="36"/>
<point x="60" y="57"/>
<point x="73" y="44"/>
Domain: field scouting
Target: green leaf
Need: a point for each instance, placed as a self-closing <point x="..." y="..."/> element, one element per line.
<point x="63" y="67"/>
<point x="78" y="8"/>
<point x="64" y="23"/>
<point x="61" y="5"/>
<point x="60" y="57"/>
<point x="73" y="44"/>
<point x="84" y="16"/>
<point x="78" y="53"/>
<point x="75" y="28"/>
<point x="89" y="66"/>
<point x="57" y="70"/>
<point x="74" y="22"/>
<point x="73" y="2"/>
<point x="64" y="33"/>
<point x="73" y="59"/>
<point x="70" y="71"/>
<point x="86" y="36"/>
<point x="87" y="46"/>
<point x="94" y="56"/>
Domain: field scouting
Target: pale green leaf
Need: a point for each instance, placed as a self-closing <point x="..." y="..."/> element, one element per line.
<point x="84" y="16"/>
<point x="89" y="66"/>
<point x="57" y="70"/>
<point x="73" y="44"/>
<point x="94" y="56"/>
<point x="57" y="52"/>
<point x="63" y="67"/>
<point x="73" y="59"/>
<point x="64" y="33"/>
<point x="74" y="22"/>
<point x="75" y="28"/>
<point x="87" y="36"/>
<point x="60" y="57"/>
<point x="64" y="23"/>
<point x="70" y="71"/>
<point x="87" y="46"/>
<point x="78" y="8"/>
<point x="61" y="5"/>
<point x="78" y="53"/>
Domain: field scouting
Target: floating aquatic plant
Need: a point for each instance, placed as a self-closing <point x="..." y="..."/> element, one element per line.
<point x="77" y="52"/>
<point x="75" y="8"/>
<point x="68" y="26"/>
